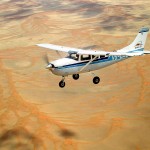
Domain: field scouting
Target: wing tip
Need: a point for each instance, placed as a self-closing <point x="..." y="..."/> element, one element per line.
<point x="38" y="44"/>
<point x="42" y="45"/>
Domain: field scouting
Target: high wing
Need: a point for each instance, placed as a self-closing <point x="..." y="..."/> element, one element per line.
<point x="71" y="50"/>
<point x="57" y="47"/>
<point x="87" y="52"/>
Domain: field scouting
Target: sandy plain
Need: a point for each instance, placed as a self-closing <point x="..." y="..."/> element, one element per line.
<point x="36" y="114"/>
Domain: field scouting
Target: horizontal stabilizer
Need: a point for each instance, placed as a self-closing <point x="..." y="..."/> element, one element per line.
<point x="125" y="54"/>
<point x="146" y="52"/>
<point x="136" y="54"/>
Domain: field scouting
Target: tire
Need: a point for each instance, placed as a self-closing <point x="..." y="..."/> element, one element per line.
<point x="96" y="80"/>
<point x="61" y="84"/>
<point x="75" y="76"/>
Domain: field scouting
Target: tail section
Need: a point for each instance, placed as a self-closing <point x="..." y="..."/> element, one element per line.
<point x="138" y="44"/>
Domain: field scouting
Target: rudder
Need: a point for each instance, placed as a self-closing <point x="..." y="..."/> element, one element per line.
<point x="139" y="42"/>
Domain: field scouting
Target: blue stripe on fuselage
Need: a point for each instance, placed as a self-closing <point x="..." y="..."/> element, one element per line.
<point x="100" y="60"/>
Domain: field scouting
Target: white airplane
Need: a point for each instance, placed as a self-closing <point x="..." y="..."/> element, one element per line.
<point x="80" y="61"/>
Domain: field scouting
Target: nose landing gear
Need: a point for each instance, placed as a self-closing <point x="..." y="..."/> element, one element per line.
<point x="62" y="82"/>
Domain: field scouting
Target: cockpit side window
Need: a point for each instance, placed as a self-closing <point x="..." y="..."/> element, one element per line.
<point x="85" y="57"/>
<point x="74" y="56"/>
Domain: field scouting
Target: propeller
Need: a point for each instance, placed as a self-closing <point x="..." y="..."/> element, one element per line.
<point x="45" y="58"/>
<point x="58" y="54"/>
<point x="49" y="65"/>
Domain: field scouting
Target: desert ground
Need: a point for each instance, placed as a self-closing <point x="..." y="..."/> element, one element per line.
<point x="35" y="114"/>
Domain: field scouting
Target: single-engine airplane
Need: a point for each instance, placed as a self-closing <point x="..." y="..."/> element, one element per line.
<point x="80" y="60"/>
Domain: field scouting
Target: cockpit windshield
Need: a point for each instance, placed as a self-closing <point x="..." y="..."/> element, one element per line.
<point x="74" y="56"/>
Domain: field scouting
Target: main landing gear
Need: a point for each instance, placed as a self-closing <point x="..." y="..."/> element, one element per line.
<point x="62" y="82"/>
<point x="96" y="79"/>
<point x="75" y="76"/>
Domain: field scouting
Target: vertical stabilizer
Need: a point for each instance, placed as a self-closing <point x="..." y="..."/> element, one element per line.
<point x="139" y="42"/>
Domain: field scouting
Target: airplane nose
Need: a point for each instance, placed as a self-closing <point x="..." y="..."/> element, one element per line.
<point x="49" y="66"/>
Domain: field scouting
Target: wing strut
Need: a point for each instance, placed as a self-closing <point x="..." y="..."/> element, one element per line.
<point x="87" y="64"/>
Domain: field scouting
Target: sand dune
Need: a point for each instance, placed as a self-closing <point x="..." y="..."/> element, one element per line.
<point x="36" y="114"/>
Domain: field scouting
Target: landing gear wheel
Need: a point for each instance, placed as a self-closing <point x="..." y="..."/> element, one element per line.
<point x="96" y="80"/>
<point x="75" y="76"/>
<point x="61" y="84"/>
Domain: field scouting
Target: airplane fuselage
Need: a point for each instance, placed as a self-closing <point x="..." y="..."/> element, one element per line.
<point x="67" y="66"/>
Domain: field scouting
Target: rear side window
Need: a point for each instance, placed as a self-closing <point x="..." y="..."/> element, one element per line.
<point x="85" y="57"/>
<point x="103" y="56"/>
